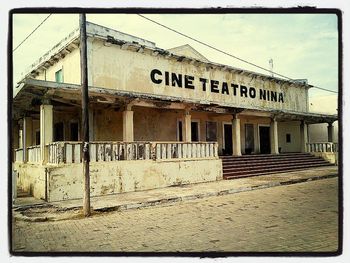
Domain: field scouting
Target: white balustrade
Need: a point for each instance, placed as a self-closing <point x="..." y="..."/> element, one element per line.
<point x="34" y="154"/>
<point x="322" y="147"/>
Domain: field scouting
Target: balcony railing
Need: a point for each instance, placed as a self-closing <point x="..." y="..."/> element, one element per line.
<point x="322" y="147"/>
<point x="114" y="151"/>
<point x="71" y="152"/>
<point x="173" y="150"/>
<point x="34" y="155"/>
<point x="19" y="155"/>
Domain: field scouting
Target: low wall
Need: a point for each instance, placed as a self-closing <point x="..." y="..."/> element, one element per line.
<point x="65" y="181"/>
<point x="331" y="157"/>
<point x="31" y="178"/>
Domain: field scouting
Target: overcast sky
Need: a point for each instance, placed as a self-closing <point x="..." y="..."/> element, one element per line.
<point x="301" y="45"/>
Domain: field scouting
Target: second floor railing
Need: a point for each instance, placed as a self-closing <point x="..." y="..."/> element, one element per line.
<point x="173" y="150"/>
<point x="19" y="155"/>
<point x="322" y="147"/>
<point x="103" y="151"/>
<point x="34" y="154"/>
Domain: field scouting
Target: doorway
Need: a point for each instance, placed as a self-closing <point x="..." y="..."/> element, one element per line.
<point x="74" y="131"/>
<point x="249" y="138"/>
<point x="58" y="132"/>
<point x="264" y="135"/>
<point x="194" y="131"/>
<point x="195" y="135"/>
<point x="227" y="139"/>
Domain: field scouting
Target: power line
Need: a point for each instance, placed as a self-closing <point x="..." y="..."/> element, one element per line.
<point x="224" y="52"/>
<point x="31" y="33"/>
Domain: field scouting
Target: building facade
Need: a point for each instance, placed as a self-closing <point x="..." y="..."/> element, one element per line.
<point x="157" y="117"/>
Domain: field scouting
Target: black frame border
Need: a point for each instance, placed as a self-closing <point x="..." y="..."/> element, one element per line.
<point x="212" y="10"/>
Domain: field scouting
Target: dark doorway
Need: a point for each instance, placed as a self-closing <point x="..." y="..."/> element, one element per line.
<point x="228" y="139"/>
<point x="37" y="138"/>
<point x="74" y="131"/>
<point x="249" y="138"/>
<point x="58" y="132"/>
<point x="264" y="135"/>
<point x="179" y="130"/>
<point x="194" y="132"/>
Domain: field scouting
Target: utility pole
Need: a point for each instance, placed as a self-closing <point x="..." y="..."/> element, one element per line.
<point x="85" y="114"/>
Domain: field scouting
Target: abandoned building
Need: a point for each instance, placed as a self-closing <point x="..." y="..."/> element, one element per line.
<point x="157" y="118"/>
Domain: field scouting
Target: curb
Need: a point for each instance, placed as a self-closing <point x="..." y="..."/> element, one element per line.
<point x="170" y="200"/>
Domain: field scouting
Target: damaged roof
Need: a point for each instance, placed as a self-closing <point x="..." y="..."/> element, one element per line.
<point x="33" y="90"/>
<point x="133" y="43"/>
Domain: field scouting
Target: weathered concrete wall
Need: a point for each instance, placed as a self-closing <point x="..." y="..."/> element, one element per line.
<point x="70" y="66"/>
<point x="151" y="124"/>
<point x="108" y="125"/>
<point x="65" y="182"/>
<point x="319" y="132"/>
<point x="31" y="178"/>
<point x="292" y="128"/>
<point x="115" y="68"/>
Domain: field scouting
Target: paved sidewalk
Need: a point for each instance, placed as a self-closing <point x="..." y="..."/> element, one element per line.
<point x="171" y="195"/>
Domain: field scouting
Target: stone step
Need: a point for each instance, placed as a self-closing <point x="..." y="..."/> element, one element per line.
<point x="248" y="156"/>
<point x="265" y="173"/>
<point x="248" y="165"/>
<point x="265" y="157"/>
<point x="22" y="193"/>
<point x="276" y="167"/>
<point x="272" y="160"/>
<point x="237" y="174"/>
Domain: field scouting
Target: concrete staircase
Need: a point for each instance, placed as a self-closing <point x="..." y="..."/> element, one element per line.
<point x="22" y="193"/>
<point x="253" y="165"/>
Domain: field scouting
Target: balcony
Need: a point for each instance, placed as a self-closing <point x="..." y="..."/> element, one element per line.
<point x="67" y="152"/>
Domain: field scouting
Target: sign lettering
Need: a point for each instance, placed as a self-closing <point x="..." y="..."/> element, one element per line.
<point x="214" y="86"/>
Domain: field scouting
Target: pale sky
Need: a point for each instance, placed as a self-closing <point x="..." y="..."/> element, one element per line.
<point x="302" y="46"/>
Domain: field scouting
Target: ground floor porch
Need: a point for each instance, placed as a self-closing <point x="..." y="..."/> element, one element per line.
<point x="141" y="142"/>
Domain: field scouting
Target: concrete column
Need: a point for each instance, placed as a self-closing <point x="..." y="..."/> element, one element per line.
<point x="330" y="130"/>
<point x="28" y="130"/>
<point x="128" y="126"/>
<point x="15" y="138"/>
<point x="46" y="129"/>
<point x="274" y="137"/>
<point x="15" y="135"/>
<point x="236" y="136"/>
<point x="303" y="136"/>
<point x="186" y="127"/>
<point x="27" y="136"/>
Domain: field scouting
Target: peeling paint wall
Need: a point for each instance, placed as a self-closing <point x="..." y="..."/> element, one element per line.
<point x="115" y="68"/>
<point x="151" y="124"/>
<point x="108" y="125"/>
<point x="319" y="132"/>
<point x="127" y="176"/>
<point x="31" y="178"/>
